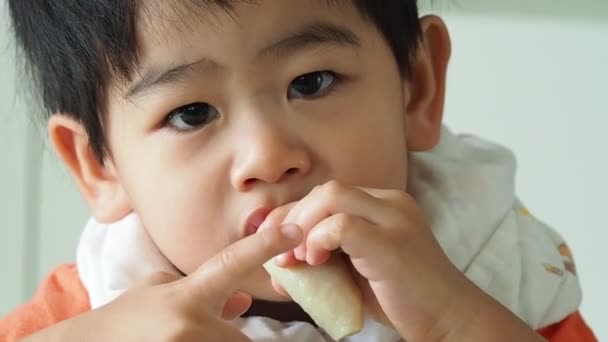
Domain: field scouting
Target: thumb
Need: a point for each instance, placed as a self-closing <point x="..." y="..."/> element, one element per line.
<point x="157" y="278"/>
<point x="236" y="305"/>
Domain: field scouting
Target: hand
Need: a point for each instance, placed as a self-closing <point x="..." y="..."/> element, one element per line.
<point x="406" y="279"/>
<point x="193" y="308"/>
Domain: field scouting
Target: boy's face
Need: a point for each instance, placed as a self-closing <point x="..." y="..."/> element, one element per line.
<point x="258" y="106"/>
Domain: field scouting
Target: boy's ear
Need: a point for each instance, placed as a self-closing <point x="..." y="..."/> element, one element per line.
<point x="98" y="183"/>
<point x="425" y="88"/>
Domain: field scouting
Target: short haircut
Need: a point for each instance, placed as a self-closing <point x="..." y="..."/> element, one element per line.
<point x="74" y="49"/>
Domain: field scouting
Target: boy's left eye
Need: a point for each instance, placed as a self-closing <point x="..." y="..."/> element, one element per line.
<point x="312" y="85"/>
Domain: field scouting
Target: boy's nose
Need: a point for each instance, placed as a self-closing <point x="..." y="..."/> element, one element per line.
<point x="270" y="157"/>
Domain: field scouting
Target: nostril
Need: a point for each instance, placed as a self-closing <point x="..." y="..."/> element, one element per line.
<point x="249" y="182"/>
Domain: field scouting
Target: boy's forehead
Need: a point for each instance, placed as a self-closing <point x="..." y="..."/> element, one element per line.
<point x="175" y="33"/>
<point x="158" y="17"/>
<point x="181" y="21"/>
<point x="210" y="8"/>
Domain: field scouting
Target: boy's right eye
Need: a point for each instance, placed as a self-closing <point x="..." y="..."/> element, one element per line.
<point x="191" y="117"/>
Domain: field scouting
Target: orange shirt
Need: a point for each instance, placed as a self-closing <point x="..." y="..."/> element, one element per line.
<point x="62" y="296"/>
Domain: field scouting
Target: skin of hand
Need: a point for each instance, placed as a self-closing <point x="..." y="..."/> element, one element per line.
<point x="406" y="279"/>
<point x="167" y="307"/>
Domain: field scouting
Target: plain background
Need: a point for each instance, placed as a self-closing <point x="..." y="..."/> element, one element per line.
<point x="528" y="74"/>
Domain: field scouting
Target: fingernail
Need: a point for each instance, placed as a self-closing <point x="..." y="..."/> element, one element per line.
<point x="291" y="231"/>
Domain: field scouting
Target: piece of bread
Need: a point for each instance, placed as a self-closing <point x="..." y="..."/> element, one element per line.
<point x="327" y="292"/>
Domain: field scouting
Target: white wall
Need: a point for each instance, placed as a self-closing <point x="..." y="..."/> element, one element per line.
<point x="63" y="212"/>
<point x="535" y="83"/>
<point x="40" y="210"/>
<point x="12" y="190"/>
<point x="539" y="85"/>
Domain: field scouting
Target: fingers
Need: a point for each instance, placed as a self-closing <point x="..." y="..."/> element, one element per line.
<point x="374" y="254"/>
<point x="333" y="198"/>
<point x="352" y="234"/>
<point x="217" y="279"/>
<point x="327" y="200"/>
<point x="341" y="212"/>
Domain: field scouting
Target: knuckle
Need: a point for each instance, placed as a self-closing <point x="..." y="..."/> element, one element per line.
<point x="275" y="217"/>
<point x="401" y="200"/>
<point x="279" y="214"/>
<point x="227" y="259"/>
<point x="401" y="206"/>
<point x="341" y="224"/>
<point x="343" y="221"/>
<point x="332" y="189"/>
<point x="317" y="188"/>
<point x="270" y="237"/>
<point x="178" y="330"/>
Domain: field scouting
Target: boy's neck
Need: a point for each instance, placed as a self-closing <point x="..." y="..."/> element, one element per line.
<point x="280" y="311"/>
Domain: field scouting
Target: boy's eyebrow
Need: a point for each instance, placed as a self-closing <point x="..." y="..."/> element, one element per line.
<point x="157" y="76"/>
<point x="314" y="34"/>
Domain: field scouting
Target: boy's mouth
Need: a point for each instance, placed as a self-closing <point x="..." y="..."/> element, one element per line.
<point x="255" y="220"/>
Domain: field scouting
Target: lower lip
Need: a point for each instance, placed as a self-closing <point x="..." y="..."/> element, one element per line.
<point x="256" y="219"/>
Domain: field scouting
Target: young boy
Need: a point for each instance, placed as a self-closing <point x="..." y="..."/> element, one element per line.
<point x="211" y="136"/>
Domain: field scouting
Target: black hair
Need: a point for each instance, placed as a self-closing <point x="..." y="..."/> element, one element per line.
<point x="73" y="49"/>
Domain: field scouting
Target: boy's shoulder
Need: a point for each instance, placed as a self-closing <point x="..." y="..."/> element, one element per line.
<point x="60" y="296"/>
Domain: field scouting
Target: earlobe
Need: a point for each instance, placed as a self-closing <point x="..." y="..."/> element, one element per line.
<point x="98" y="183"/>
<point x="425" y="88"/>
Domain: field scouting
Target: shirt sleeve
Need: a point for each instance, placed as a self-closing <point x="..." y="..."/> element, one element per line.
<point x="571" y="329"/>
<point x="60" y="296"/>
